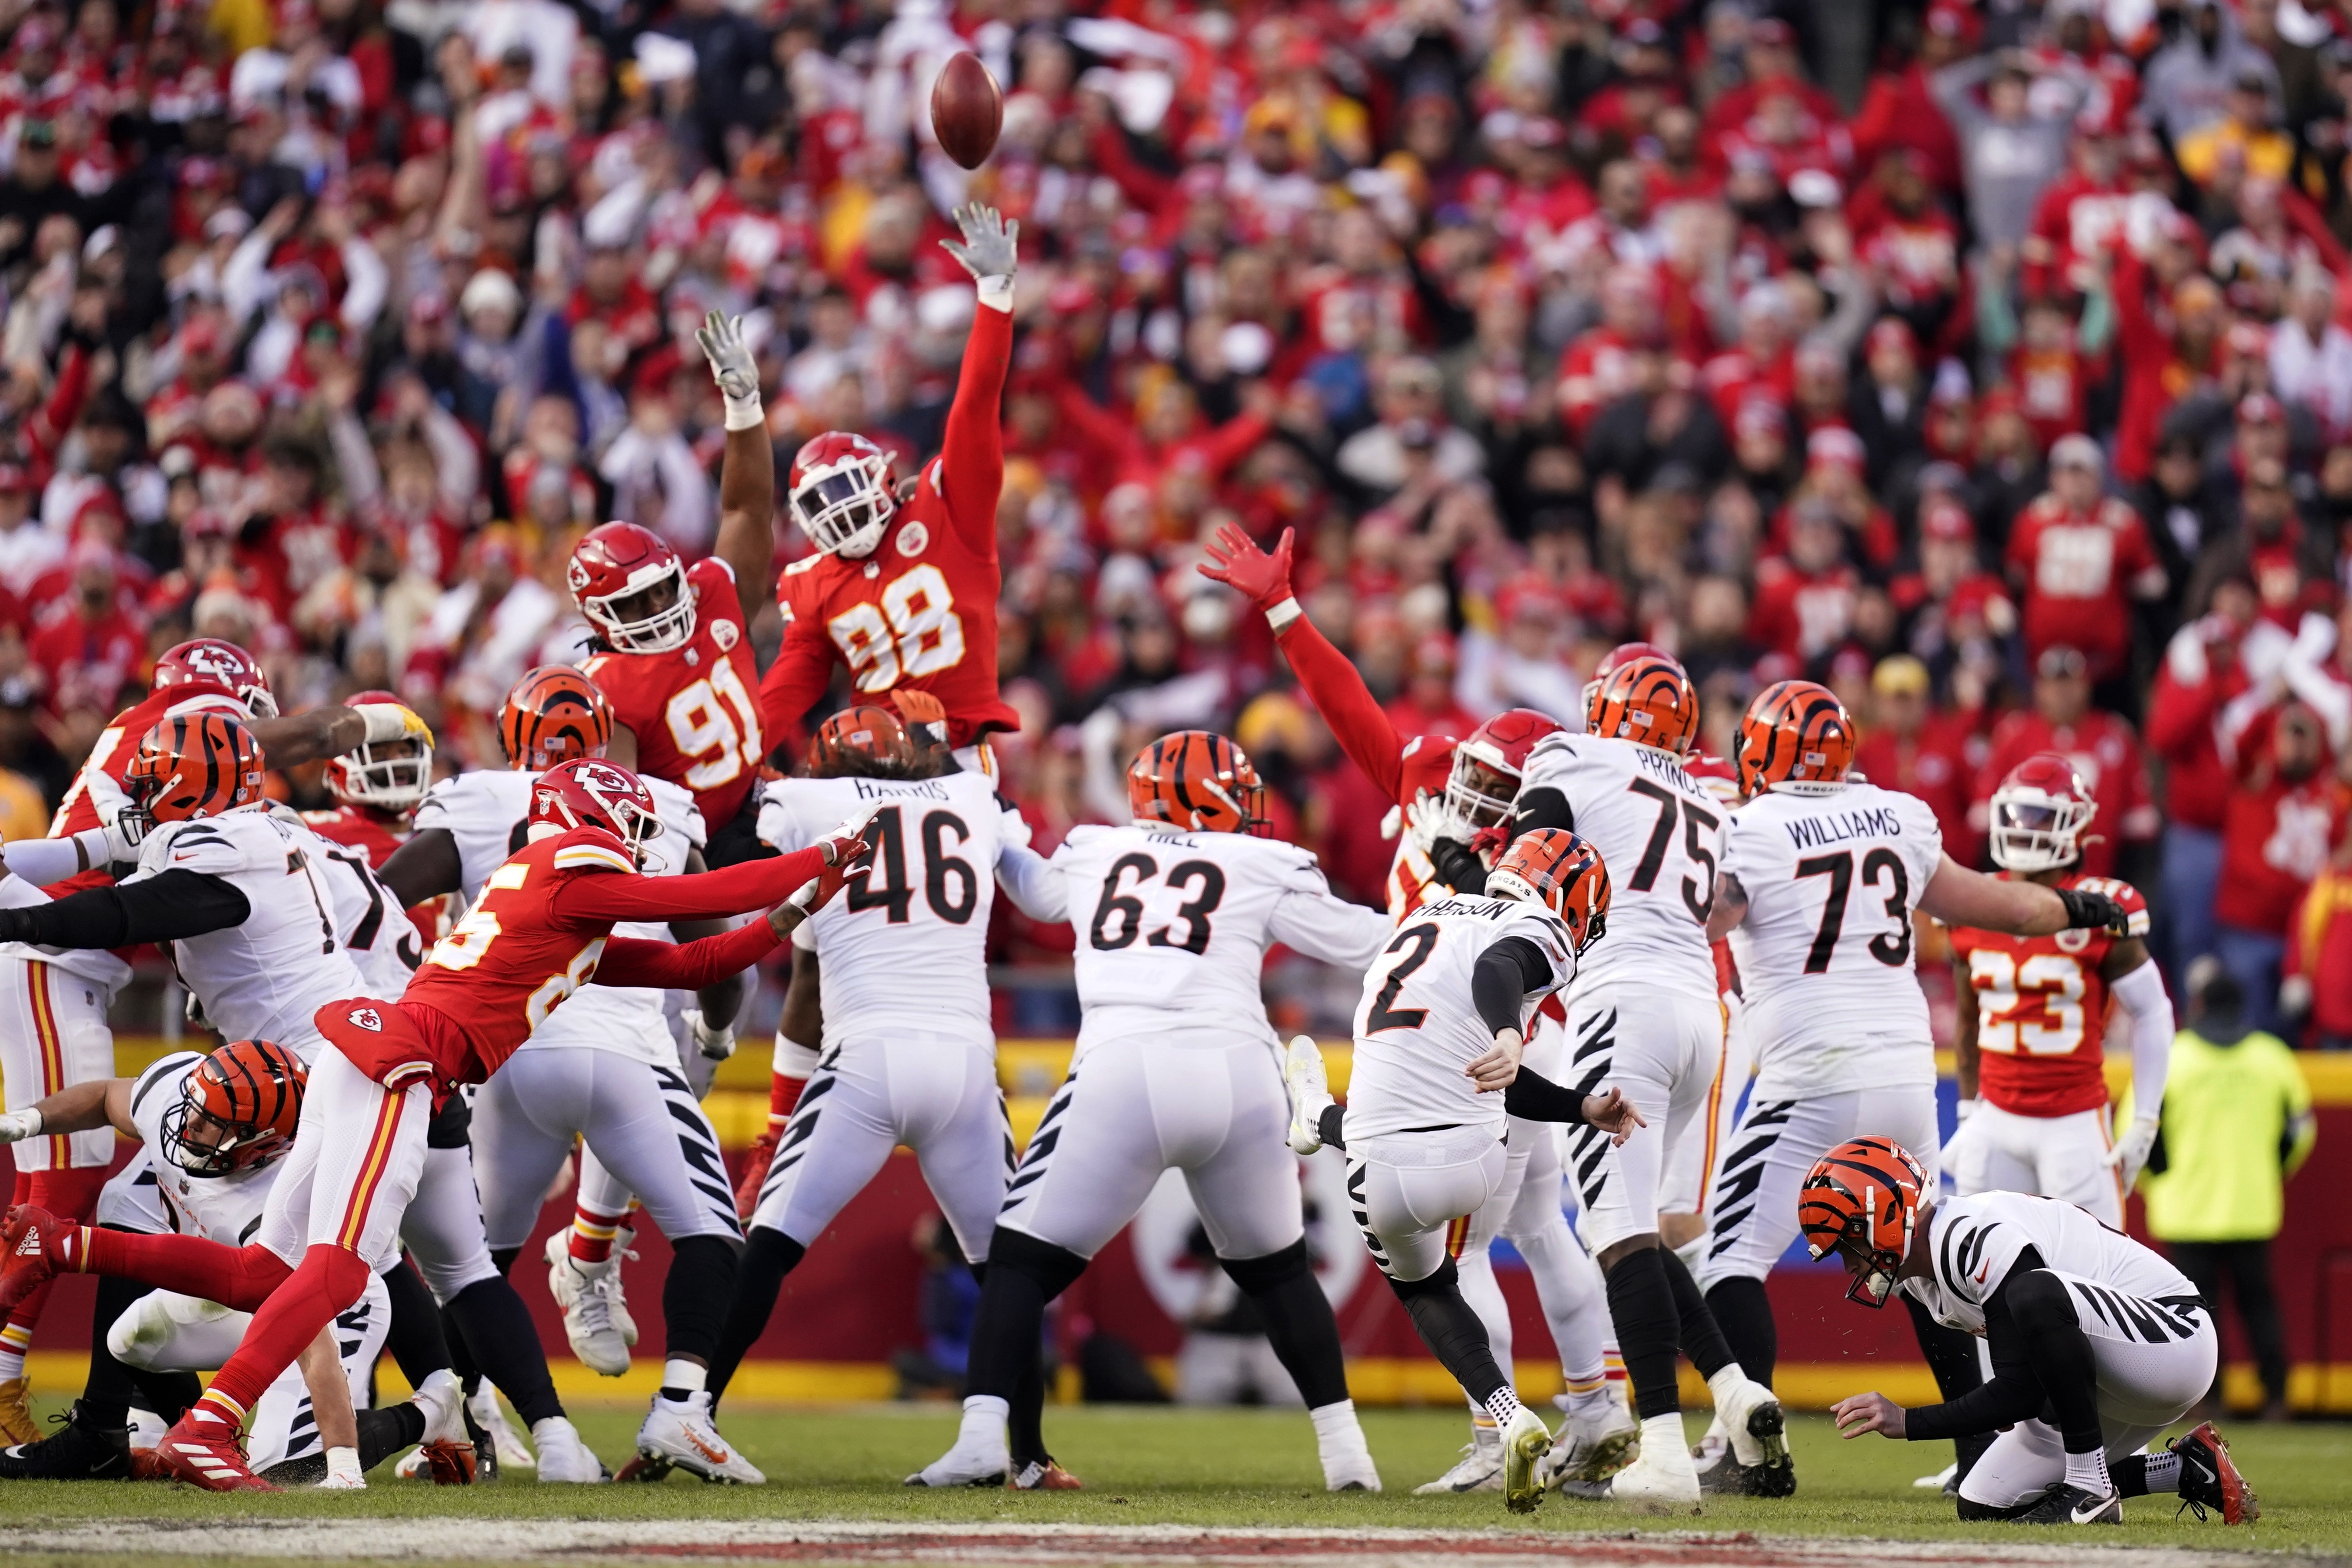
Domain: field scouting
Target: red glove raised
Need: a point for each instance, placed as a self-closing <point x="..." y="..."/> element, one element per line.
<point x="1235" y="561"/>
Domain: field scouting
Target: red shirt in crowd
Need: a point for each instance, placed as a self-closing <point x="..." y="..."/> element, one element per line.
<point x="2106" y="753"/>
<point x="2276" y="835"/>
<point x="1932" y="765"/>
<point x="2076" y="572"/>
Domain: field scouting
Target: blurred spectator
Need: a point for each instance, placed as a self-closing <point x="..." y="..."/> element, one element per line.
<point x="1908" y="745"/>
<point x="2201" y="676"/>
<point x="2079" y="558"/>
<point x="2284" y="820"/>
<point x="2099" y="744"/>
<point x="2237" y="1123"/>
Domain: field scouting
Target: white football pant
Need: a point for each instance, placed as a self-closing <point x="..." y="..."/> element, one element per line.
<point x="1754" y="1217"/>
<point x="1665" y="1051"/>
<point x="53" y="1035"/>
<point x="2065" y="1158"/>
<point x="1415" y="1216"/>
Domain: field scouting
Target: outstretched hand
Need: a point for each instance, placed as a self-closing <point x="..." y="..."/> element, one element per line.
<point x="991" y="247"/>
<point x="1860" y="1414"/>
<point x="1235" y="561"/>
<point x="732" y="363"/>
<point x="1613" y="1115"/>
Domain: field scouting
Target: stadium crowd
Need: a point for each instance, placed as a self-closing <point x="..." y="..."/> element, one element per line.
<point x="2008" y="391"/>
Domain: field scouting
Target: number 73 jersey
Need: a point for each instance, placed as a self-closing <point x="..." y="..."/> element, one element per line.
<point x="2041" y="1008"/>
<point x="1825" y="949"/>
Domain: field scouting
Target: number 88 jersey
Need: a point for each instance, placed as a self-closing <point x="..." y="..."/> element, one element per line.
<point x="1824" y="948"/>
<point x="2041" y="1008"/>
<point x="694" y="710"/>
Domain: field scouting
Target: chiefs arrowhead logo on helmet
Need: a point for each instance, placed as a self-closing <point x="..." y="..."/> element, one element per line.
<point x="207" y="664"/>
<point x="2039" y="814"/>
<point x="633" y="588"/>
<point x="1487" y="768"/>
<point x="839" y="493"/>
<point x="589" y="792"/>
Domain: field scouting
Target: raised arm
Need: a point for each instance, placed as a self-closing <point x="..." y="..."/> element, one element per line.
<point x="324" y="732"/>
<point x="972" y="459"/>
<point x="803" y="670"/>
<point x="747" y="474"/>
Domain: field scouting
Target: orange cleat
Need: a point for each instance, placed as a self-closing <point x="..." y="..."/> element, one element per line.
<point x="204" y="1451"/>
<point x="1045" y="1477"/>
<point x="27" y="1251"/>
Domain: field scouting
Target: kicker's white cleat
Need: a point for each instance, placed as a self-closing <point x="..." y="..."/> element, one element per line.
<point x="1310" y="1091"/>
<point x="562" y="1457"/>
<point x="579" y="1288"/>
<point x="1480" y="1468"/>
<point x="507" y="1446"/>
<point x="443" y="1401"/>
<point x="1753" y="1420"/>
<point x="981" y="1456"/>
<point x="1601" y="1438"/>
<point x="1525" y="1443"/>
<point x="1662" y="1478"/>
<point x="679" y="1434"/>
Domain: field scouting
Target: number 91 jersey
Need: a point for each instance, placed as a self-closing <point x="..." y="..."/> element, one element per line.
<point x="905" y="943"/>
<point x="1825" y="949"/>
<point x="2041" y="1008"/>
<point x="693" y="710"/>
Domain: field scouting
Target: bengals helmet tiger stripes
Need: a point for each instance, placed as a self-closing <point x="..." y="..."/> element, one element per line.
<point x="1862" y="1201"/>
<point x="864" y="742"/>
<point x="1199" y="780"/>
<point x="1648" y="700"/>
<point x="554" y="715"/>
<point x="195" y="765"/>
<point x="1624" y="653"/>
<point x="1562" y="871"/>
<point x="246" y="1098"/>
<point x="1795" y="732"/>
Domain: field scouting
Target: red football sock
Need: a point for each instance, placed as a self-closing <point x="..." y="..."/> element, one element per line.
<point x="329" y="1279"/>
<point x="783" y="1093"/>
<point x="239" y="1277"/>
<point x="70" y="1194"/>
<point x="593" y="1233"/>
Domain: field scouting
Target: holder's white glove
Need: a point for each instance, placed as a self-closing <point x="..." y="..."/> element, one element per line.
<point x="716" y="1044"/>
<point x="18" y="1125"/>
<point x="2131" y="1150"/>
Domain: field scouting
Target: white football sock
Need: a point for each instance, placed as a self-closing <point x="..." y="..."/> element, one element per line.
<point x="2089" y="1471"/>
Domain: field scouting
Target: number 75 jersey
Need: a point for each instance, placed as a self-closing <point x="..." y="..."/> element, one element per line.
<point x="1825" y="949"/>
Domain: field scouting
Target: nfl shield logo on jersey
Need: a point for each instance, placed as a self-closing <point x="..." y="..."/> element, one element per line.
<point x="368" y="1018"/>
<point x="914" y="538"/>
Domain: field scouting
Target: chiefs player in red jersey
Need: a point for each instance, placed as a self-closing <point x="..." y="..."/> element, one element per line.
<point x="672" y="651"/>
<point x="906" y="594"/>
<point x="2034" y="1101"/>
<point x="378" y="788"/>
<point x="53" y="1006"/>
<point x="543" y="928"/>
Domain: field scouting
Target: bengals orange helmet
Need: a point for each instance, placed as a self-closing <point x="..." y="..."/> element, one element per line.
<point x="1195" y="780"/>
<point x="1561" y="870"/>
<point x="195" y="765"/>
<point x="554" y="715"/>
<point x="1795" y="732"/>
<point x="1648" y="700"/>
<point x="861" y="743"/>
<point x="1860" y="1200"/>
<point x="237" y="1109"/>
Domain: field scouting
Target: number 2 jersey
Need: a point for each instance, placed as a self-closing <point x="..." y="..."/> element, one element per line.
<point x="694" y="710"/>
<point x="263" y="978"/>
<point x="1975" y="1244"/>
<point x="1417" y="1028"/>
<point x="904" y="945"/>
<point x="1659" y="832"/>
<point x="1172" y="928"/>
<point x="1824" y="950"/>
<point x="483" y="813"/>
<point x="2041" y="1011"/>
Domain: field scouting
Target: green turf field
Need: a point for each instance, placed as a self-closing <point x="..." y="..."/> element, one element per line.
<point x="1236" y="1469"/>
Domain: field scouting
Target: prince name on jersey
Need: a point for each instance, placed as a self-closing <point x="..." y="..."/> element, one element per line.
<point x="1418" y="1029"/>
<point x="693" y="710"/>
<point x="905" y="943"/>
<point x="1830" y="880"/>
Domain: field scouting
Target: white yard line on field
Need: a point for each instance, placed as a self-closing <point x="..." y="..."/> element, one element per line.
<point x="1046" y="1545"/>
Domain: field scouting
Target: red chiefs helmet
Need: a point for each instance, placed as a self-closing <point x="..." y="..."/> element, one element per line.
<point x="1624" y="653"/>
<point x="839" y="493"/>
<point x="590" y="792"/>
<point x="393" y="777"/>
<point x="2038" y="812"/>
<point x="632" y="587"/>
<point x="1485" y="778"/>
<point x="209" y="664"/>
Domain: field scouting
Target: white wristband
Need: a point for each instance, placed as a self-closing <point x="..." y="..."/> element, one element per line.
<point x="745" y="415"/>
<point x="18" y="1125"/>
<point x="996" y="293"/>
<point x="1283" y="614"/>
<point x="387" y="722"/>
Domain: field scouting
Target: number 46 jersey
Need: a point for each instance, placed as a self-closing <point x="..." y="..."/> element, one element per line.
<point x="904" y="945"/>
<point x="1825" y="949"/>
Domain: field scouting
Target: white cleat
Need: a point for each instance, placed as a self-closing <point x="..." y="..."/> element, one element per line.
<point x="1310" y="1091"/>
<point x="506" y="1444"/>
<point x="341" y="1483"/>
<point x="1662" y="1478"/>
<point x="679" y="1434"/>
<point x="579" y="1289"/>
<point x="1941" y="1480"/>
<point x="1351" y="1471"/>
<point x="966" y="1465"/>
<point x="562" y="1457"/>
<point x="1595" y="1445"/>
<point x="1758" y="1430"/>
<point x="1525" y="1443"/>
<point x="412" y="1467"/>
<point x="443" y="1401"/>
<point x="1480" y="1469"/>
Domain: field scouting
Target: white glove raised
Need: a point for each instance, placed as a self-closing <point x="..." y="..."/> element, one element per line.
<point x="837" y="843"/>
<point x="1430" y="819"/>
<point x="2131" y="1150"/>
<point x="716" y="1044"/>
<point x="18" y="1125"/>
<point x="733" y="367"/>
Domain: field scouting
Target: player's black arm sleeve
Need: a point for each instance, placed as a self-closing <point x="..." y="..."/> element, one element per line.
<point x="2011" y="1394"/>
<point x="1456" y="867"/>
<point x="1463" y="871"/>
<point x="163" y="908"/>
<point x="1506" y="973"/>
<point x="1532" y="1097"/>
<point x="425" y="867"/>
<point x="1541" y="808"/>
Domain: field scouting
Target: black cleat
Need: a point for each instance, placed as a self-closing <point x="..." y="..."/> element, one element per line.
<point x="486" y="1448"/>
<point x="1776" y="1476"/>
<point x="2210" y="1481"/>
<point x="2068" y="1504"/>
<point x="78" y="1450"/>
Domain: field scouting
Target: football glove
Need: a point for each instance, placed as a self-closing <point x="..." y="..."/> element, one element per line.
<point x="388" y="722"/>
<point x="2130" y="1155"/>
<point x="1257" y="576"/>
<point x="716" y="1044"/>
<point x="18" y="1125"/>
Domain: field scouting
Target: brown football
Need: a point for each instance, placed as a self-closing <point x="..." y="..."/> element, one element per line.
<point x="967" y="110"/>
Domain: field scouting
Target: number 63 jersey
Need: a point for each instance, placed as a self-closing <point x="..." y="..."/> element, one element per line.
<point x="1825" y="949"/>
<point x="904" y="943"/>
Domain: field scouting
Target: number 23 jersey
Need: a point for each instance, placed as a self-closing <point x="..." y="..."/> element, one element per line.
<point x="2042" y="1009"/>
<point x="905" y="943"/>
<point x="1825" y="950"/>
